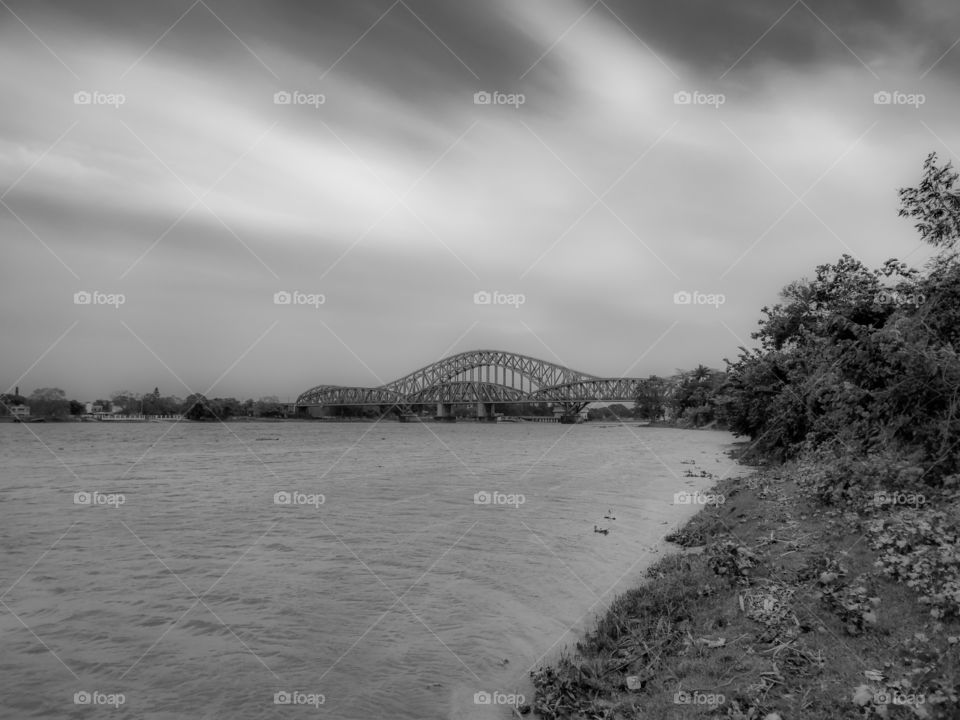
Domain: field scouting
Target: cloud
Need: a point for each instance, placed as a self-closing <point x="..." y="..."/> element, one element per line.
<point x="494" y="197"/>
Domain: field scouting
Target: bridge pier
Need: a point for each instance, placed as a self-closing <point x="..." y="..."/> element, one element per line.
<point x="445" y="412"/>
<point x="568" y="413"/>
<point x="486" y="411"/>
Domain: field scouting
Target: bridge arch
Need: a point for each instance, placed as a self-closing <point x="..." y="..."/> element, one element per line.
<point x="483" y="377"/>
<point x="476" y="366"/>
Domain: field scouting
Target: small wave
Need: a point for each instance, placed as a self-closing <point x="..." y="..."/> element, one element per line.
<point x="153" y="622"/>
<point x="279" y="547"/>
<point x="205" y="627"/>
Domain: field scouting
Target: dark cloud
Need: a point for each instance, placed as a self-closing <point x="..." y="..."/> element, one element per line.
<point x="402" y="45"/>
<point x="402" y="52"/>
<point x="711" y="36"/>
<point x="507" y="206"/>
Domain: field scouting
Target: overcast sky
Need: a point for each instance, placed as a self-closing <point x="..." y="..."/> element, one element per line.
<point x="143" y="154"/>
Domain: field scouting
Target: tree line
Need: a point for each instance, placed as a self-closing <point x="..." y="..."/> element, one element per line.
<point x="860" y="365"/>
<point x="53" y="403"/>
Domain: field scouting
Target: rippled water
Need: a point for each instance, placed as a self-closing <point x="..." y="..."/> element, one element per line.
<point x="397" y="597"/>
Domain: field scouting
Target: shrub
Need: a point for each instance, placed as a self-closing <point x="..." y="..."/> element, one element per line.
<point x="921" y="548"/>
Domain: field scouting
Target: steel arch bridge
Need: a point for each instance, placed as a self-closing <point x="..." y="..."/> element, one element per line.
<point x="484" y="378"/>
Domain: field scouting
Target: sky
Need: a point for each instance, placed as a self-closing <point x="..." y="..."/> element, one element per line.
<point x="424" y="177"/>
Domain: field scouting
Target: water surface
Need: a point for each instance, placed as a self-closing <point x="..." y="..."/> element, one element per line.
<point x="397" y="597"/>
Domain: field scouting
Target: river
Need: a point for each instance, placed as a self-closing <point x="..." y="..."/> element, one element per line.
<point x="155" y="568"/>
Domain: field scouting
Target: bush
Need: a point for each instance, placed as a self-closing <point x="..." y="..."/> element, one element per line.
<point x="835" y="475"/>
<point x="921" y="548"/>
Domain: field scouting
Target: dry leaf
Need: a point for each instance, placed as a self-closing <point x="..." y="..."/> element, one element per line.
<point x="862" y="695"/>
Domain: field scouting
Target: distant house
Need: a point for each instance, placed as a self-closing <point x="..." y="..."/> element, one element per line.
<point x="101" y="409"/>
<point x="20" y="411"/>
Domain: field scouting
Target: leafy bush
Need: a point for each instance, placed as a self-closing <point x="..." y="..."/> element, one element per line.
<point x="921" y="548"/>
<point x="853" y="604"/>
<point x="835" y="475"/>
<point x="865" y="358"/>
<point x="730" y="559"/>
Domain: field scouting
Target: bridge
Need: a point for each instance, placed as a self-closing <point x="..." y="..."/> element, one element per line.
<point x="482" y="378"/>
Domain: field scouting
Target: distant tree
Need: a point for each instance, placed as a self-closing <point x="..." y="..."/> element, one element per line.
<point x="228" y="407"/>
<point x="693" y="399"/>
<point x="620" y="411"/>
<point x="170" y="405"/>
<point x="77" y="407"/>
<point x="651" y="402"/>
<point x="128" y="402"/>
<point x="150" y="403"/>
<point x="268" y="406"/>
<point x="50" y="402"/>
<point x="197" y="407"/>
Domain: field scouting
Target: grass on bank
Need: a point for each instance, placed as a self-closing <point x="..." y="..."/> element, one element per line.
<point x="778" y="608"/>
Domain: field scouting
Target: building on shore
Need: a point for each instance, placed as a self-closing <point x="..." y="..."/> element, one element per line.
<point x="20" y="411"/>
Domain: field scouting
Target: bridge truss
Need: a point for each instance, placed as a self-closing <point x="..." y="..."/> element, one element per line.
<point x="482" y="377"/>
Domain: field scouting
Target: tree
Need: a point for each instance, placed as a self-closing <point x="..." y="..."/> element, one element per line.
<point x="865" y="360"/>
<point x="128" y="402"/>
<point x="651" y="402"/>
<point x="935" y="203"/>
<point x="170" y="405"/>
<point x="197" y="407"/>
<point x="227" y="407"/>
<point x="693" y="399"/>
<point x="267" y="407"/>
<point x="150" y="403"/>
<point x="50" y="402"/>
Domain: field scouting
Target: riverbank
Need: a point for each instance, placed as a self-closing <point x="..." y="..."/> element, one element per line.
<point x="773" y="608"/>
